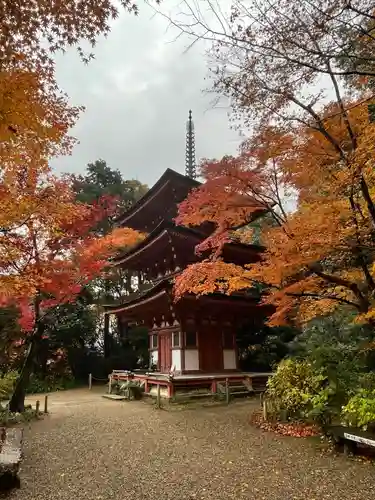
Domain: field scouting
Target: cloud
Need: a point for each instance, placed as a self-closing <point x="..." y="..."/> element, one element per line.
<point x="137" y="93"/>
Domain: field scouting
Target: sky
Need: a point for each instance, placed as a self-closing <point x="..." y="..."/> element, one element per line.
<point x="137" y="93"/>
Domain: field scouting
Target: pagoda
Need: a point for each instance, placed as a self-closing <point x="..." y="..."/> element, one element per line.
<point x="192" y="341"/>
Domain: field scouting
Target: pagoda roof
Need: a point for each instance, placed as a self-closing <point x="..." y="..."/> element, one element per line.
<point x="159" y="203"/>
<point x="158" y="297"/>
<point x="148" y="293"/>
<point x="161" y="236"/>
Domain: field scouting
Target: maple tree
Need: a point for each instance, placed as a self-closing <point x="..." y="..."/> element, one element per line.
<point x="300" y="75"/>
<point x="30" y="34"/>
<point x="48" y="251"/>
<point x="38" y="29"/>
<point x="317" y="256"/>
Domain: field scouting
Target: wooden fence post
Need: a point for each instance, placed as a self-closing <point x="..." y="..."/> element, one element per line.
<point x="227" y="393"/>
<point x="37" y="405"/>
<point x="45" y="404"/>
<point x="158" y="397"/>
<point x="265" y="409"/>
<point x="90" y="381"/>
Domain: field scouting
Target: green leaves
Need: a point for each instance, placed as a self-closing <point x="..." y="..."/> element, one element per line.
<point x="294" y="387"/>
<point x="360" y="410"/>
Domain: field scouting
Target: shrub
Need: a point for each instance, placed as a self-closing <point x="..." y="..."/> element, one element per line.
<point x="337" y="345"/>
<point x="7" y="383"/>
<point x="50" y="383"/>
<point x="360" y="410"/>
<point x="9" y="418"/>
<point x="294" y="388"/>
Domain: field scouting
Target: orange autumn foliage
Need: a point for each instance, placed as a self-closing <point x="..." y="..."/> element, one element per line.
<point x="49" y="251"/>
<point x="46" y="246"/>
<point x="238" y="190"/>
<point x="317" y="256"/>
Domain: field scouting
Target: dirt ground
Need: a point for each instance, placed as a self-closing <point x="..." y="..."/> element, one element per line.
<point x="96" y="449"/>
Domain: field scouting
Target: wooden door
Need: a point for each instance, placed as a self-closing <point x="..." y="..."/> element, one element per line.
<point x="165" y="352"/>
<point x="210" y="350"/>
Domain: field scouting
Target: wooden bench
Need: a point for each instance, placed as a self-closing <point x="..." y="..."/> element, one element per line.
<point x="349" y="438"/>
<point x="11" y="439"/>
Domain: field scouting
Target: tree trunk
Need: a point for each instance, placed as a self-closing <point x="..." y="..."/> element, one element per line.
<point x="17" y="402"/>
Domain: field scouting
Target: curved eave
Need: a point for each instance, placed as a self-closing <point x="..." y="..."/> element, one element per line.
<point x="164" y="230"/>
<point x="133" y="308"/>
<point x="159" y="296"/>
<point x="160" y="289"/>
<point x="181" y="183"/>
<point x="241" y="252"/>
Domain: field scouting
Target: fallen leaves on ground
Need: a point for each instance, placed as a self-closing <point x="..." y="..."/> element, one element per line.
<point x="294" y="429"/>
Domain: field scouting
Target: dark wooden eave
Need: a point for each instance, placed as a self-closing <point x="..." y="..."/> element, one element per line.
<point x="240" y="253"/>
<point x="148" y="293"/>
<point x="159" y="203"/>
<point x="163" y="290"/>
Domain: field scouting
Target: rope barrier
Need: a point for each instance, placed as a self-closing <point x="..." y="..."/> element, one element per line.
<point x="99" y="379"/>
<point x="91" y="378"/>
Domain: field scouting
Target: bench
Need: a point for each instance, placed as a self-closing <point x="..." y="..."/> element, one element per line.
<point x="348" y="438"/>
<point x="11" y="439"/>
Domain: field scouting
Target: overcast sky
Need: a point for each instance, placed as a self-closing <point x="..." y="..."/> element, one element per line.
<point x="137" y="94"/>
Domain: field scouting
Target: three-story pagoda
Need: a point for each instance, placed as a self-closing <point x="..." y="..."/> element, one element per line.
<point x="192" y="341"/>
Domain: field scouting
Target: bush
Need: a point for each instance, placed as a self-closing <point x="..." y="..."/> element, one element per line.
<point x="295" y="389"/>
<point x="9" y="418"/>
<point x="7" y="383"/>
<point x="360" y="410"/>
<point x="337" y="345"/>
<point x="50" y="383"/>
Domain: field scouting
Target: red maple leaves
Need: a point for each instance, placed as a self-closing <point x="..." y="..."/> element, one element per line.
<point x="49" y="250"/>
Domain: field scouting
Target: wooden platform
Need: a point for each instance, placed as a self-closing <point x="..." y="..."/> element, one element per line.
<point x="241" y="383"/>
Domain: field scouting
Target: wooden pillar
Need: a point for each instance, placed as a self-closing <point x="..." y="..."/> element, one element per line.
<point x="158" y="403"/>
<point x="170" y="389"/>
<point x="227" y="391"/>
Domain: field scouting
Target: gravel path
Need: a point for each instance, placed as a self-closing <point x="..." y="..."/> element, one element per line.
<point x="96" y="449"/>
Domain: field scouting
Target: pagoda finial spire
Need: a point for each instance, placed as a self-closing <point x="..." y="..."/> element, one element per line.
<point x="190" y="164"/>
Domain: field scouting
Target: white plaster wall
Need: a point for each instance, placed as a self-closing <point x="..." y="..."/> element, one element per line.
<point x="229" y="359"/>
<point x="191" y="359"/>
<point x="176" y="359"/>
<point x="154" y="357"/>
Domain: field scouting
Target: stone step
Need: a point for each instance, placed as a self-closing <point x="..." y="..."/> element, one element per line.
<point x="115" y="397"/>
